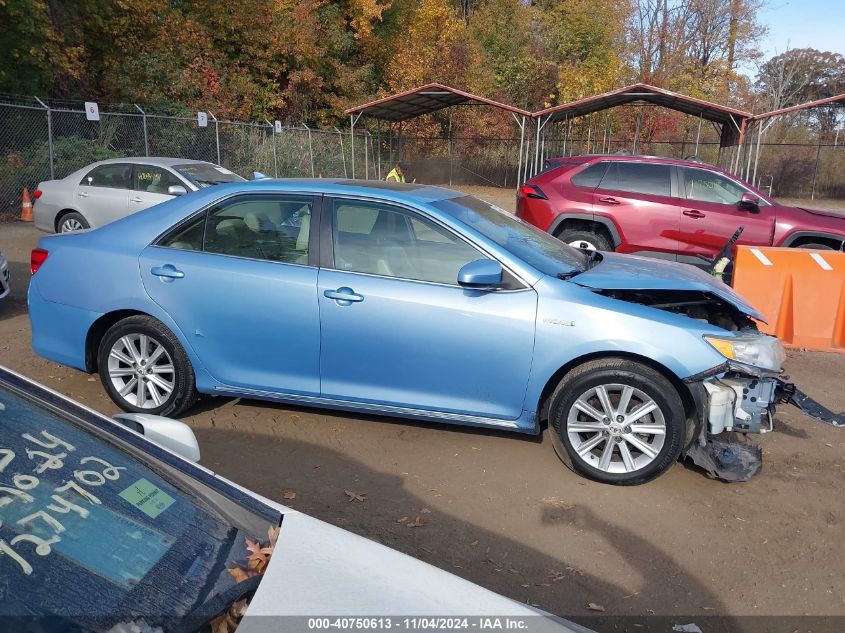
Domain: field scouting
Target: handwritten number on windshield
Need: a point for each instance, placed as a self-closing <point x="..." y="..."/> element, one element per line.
<point x="21" y="483"/>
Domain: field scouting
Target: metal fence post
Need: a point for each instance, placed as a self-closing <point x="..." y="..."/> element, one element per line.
<point x="310" y="149"/>
<point x="216" y="134"/>
<point x="816" y="167"/>
<point x="366" y="157"/>
<point x="342" y="155"/>
<point x="49" y="138"/>
<point x="273" y="141"/>
<point x="146" y="139"/>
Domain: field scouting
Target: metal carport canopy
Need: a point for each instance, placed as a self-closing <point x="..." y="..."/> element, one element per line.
<point x="829" y="101"/>
<point x="651" y="94"/>
<point x="424" y="100"/>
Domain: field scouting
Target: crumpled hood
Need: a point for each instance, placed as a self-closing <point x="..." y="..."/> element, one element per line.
<point x="629" y="272"/>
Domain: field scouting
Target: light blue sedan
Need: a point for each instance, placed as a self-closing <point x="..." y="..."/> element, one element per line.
<point x="410" y="301"/>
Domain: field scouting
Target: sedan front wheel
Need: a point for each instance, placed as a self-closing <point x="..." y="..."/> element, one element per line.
<point x="617" y="421"/>
<point x="144" y="368"/>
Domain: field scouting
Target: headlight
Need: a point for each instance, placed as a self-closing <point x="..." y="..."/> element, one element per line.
<point x="758" y="350"/>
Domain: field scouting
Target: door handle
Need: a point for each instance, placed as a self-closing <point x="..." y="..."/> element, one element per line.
<point x="344" y="296"/>
<point x="82" y="194"/>
<point x="609" y="200"/>
<point x="168" y="271"/>
<point x="692" y="213"/>
<point x="136" y="199"/>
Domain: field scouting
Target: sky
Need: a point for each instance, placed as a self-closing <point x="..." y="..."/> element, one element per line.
<point x="818" y="24"/>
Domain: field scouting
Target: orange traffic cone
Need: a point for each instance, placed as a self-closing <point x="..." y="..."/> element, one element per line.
<point x="26" y="207"/>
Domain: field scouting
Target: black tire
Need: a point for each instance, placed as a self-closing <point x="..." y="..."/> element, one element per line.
<point x="598" y="241"/>
<point x="181" y="377"/>
<point x="69" y="220"/>
<point x="643" y="379"/>
<point x="821" y="247"/>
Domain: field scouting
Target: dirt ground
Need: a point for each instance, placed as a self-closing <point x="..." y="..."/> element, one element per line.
<point x="501" y="510"/>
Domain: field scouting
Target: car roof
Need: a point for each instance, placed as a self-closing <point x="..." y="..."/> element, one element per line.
<point x="159" y="161"/>
<point x="585" y="158"/>
<point x="396" y="191"/>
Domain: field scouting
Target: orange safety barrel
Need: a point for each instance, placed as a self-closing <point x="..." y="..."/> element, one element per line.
<point x="801" y="292"/>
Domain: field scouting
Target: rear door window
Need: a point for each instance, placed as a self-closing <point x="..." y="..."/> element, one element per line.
<point x="115" y="176"/>
<point x="645" y="178"/>
<point x="590" y="177"/>
<point x="260" y="226"/>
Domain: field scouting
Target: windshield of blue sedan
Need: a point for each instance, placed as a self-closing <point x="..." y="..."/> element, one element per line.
<point x="205" y="174"/>
<point x="92" y="536"/>
<point x="526" y="242"/>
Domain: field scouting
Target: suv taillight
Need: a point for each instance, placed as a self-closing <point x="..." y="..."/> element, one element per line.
<point x="38" y="257"/>
<point x="37" y="193"/>
<point x="532" y="191"/>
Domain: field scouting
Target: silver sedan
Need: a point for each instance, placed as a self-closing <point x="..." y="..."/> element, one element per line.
<point x="111" y="189"/>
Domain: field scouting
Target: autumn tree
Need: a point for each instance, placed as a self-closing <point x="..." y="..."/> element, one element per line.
<point x="584" y="39"/>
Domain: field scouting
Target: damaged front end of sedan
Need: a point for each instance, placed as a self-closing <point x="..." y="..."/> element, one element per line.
<point x="739" y="397"/>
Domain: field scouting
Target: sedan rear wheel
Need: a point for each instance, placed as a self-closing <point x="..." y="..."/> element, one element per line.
<point x="617" y="421"/>
<point x="72" y="222"/>
<point x="144" y="368"/>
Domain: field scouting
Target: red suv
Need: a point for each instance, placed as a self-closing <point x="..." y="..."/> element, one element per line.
<point x="666" y="208"/>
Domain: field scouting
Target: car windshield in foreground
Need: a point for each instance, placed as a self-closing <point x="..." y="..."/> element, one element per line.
<point x="94" y="533"/>
<point x="205" y="174"/>
<point x="533" y="246"/>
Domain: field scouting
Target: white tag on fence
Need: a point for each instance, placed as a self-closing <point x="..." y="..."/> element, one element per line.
<point x="278" y="127"/>
<point x="202" y="119"/>
<point x="92" y="111"/>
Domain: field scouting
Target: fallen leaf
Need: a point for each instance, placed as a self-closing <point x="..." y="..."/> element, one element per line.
<point x="631" y="595"/>
<point x="474" y="543"/>
<point x="425" y="511"/>
<point x="289" y="494"/>
<point x="402" y="520"/>
<point x="356" y="496"/>
<point x="92" y="380"/>
<point x="592" y="606"/>
<point x="418" y="522"/>
<point x="240" y="574"/>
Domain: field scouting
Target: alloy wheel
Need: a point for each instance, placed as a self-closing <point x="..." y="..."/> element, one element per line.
<point x="141" y="371"/>
<point x="616" y="428"/>
<point x="71" y="224"/>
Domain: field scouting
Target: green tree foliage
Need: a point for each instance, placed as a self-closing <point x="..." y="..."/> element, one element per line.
<point x="306" y="60"/>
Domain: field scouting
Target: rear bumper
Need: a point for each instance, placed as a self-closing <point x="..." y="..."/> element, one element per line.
<point x="58" y="331"/>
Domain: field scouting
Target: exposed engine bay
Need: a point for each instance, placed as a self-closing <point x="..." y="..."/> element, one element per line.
<point x="702" y="306"/>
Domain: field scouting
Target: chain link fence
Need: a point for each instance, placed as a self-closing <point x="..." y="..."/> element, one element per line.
<point x="39" y="141"/>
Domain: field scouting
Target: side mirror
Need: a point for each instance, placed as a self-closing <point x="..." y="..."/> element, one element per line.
<point x="481" y="274"/>
<point x="749" y="202"/>
<point x="176" y="190"/>
<point x="170" y="434"/>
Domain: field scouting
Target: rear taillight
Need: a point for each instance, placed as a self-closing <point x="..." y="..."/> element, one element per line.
<point x="532" y="191"/>
<point x="37" y="193"/>
<point x="38" y="257"/>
